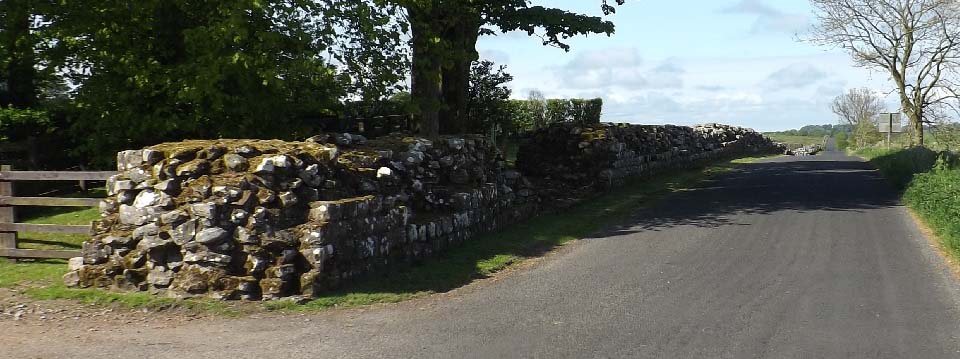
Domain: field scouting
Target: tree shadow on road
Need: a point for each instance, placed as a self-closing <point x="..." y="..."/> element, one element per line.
<point x="817" y="184"/>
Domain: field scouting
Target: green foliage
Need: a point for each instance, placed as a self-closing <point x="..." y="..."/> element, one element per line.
<point x="935" y="196"/>
<point x="842" y="142"/>
<point x="18" y="124"/>
<point x="488" y="105"/>
<point x="867" y="133"/>
<point x="817" y="130"/>
<point x="931" y="184"/>
<point x="900" y="165"/>
<point x="947" y="136"/>
<point x="444" y="35"/>
<point x="162" y="70"/>
<point x="527" y="115"/>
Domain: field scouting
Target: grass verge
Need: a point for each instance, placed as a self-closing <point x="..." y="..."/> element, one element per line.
<point x="478" y="258"/>
<point x="930" y="185"/>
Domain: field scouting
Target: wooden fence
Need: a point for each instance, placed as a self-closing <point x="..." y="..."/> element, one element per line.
<point x="9" y="201"/>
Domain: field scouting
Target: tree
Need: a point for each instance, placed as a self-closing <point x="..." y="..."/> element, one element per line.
<point x="841" y="141"/>
<point x="444" y="34"/>
<point x="858" y="108"/>
<point x="917" y="42"/>
<point x="488" y="97"/>
<point x="537" y="107"/>
<point x="17" y="58"/>
<point x="26" y="76"/>
<point x="156" y="70"/>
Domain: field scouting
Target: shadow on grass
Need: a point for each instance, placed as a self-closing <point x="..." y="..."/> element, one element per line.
<point x="900" y="165"/>
<point x="31" y="243"/>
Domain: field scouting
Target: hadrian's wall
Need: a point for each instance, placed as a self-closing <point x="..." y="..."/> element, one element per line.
<point x="604" y="155"/>
<point x="247" y="219"/>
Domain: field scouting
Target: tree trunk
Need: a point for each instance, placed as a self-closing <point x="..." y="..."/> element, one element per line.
<point x="454" y="117"/>
<point x="917" y="122"/>
<point x="20" y="73"/>
<point x="425" y="77"/>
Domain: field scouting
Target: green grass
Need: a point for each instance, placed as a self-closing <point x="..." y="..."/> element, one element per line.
<point x="930" y="182"/>
<point x="477" y="258"/>
<point x="899" y="165"/>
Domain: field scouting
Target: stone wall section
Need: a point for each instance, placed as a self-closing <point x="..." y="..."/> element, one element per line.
<point x="605" y="155"/>
<point x="254" y="219"/>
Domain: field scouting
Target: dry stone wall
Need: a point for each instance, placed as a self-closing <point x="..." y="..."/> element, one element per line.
<point x="249" y="219"/>
<point x="604" y="155"/>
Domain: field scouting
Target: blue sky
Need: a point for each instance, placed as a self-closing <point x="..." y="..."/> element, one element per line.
<point x="693" y="61"/>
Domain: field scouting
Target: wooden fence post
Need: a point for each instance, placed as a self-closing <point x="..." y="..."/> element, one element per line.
<point x="8" y="240"/>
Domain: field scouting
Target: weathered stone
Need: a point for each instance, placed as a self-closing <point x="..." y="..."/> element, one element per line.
<point x="94" y="252"/>
<point x="194" y="169"/>
<point x="134" y="259"/>
<point x="137" y="175"/>
<point x="148" y="198"/>
<point x="266" y="166"/>
<point x="185" y="232"/>
<point x="288" y="199"/>
<point x="206" y="210"/>
<point x="207" y="257"/>
<point x="72" y="278"/>
<point x="174" y="218"/>
<point x="152" y="157"/>
<point x="245" y="236"/>
<point x="147" y="230"/>
<point x="195" y="279"/>
<point x="212" y="236"/>
<point x="160" y="277"/>
<point x="75" y="263"/>
<point x="170" y="187"/>
<point x="235" y="162"/>
<point x="247" y="151"/>
<point x="122" y="185"/>
<point x="212" y="153"/>
<point x="108" y="206"/>
<point x="152" y="243"/>
<point x="127" y="160"/>
<point x="239" y="216"/>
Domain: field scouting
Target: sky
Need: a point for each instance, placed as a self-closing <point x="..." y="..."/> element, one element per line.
<point x="737" y="62"/>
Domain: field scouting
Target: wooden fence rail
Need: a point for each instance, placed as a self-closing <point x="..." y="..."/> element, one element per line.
<point x="9" y="201"/>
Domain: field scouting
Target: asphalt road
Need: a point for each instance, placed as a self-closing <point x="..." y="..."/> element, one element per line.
<point x="793" y="258"/>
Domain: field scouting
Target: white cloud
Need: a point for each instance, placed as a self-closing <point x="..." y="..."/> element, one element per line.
<point x="617" y="68"/>
<point x="769" y="19"/>
<point x="793" y="76"/>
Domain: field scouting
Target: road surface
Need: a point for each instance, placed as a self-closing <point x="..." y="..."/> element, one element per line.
<point x="792" y="258"/>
